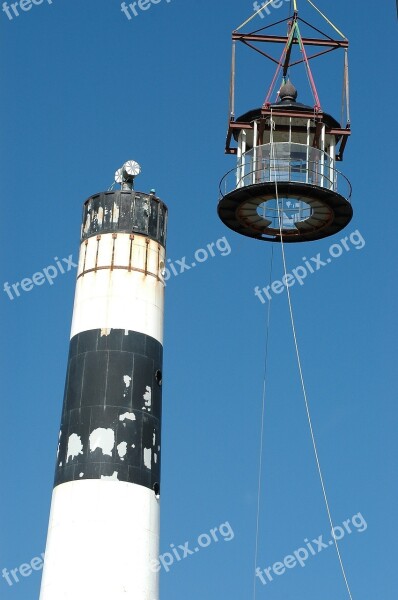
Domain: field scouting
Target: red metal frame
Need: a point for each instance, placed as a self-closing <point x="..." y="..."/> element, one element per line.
<point x="248" y="39"/>
<point x="281" y="39"/>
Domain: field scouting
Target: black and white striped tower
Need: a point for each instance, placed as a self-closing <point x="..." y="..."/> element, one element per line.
<point x="103" y="535"/>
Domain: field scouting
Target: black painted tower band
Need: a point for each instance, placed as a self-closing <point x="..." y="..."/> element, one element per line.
<point x="113" y="383"/>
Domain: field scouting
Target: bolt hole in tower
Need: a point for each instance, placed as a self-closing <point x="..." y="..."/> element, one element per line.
<point x="288" y="144"/>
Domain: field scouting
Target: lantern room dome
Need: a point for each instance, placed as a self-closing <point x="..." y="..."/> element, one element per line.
<point x="288" y="92"/>
<point x="287" y="103"/>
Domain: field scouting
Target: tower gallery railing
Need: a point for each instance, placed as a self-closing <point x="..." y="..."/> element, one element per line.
<point x="287" y="162"/>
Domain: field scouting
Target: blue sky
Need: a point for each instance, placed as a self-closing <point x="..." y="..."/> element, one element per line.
<point x="83" y="90"/>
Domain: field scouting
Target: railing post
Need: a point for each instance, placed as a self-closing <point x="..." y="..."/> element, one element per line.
<point x="243" y="166"/>
<point x="308" y="150"/>
<point x="323" y="156"/>
<point x="239" y="157"/>
<point x="332" y="171"/>
<point x="255" y="128"/>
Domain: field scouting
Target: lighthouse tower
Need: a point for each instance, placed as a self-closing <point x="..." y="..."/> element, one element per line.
<point x="103" y="536"/>
<point x="286" y="183"/>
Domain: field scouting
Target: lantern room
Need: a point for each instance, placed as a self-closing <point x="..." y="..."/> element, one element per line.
<point x="286" y="182"/>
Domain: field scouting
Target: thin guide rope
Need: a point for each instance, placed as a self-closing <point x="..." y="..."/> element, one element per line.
<point x="302" y="381"/>
<point x="262" y="429"/>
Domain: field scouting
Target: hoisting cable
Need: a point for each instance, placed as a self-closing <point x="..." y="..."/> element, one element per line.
<point x="327" y="20"/>
<point x="280" y="65"/>
<point x="307" y="64"/>
<point x="260" y="468"/>
<point x="280" y="212"/>
<point x="255" y="14"/>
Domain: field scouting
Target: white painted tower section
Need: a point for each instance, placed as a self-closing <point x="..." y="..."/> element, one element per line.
<point x="120" y="285"/>
<point x="96" y="552"/>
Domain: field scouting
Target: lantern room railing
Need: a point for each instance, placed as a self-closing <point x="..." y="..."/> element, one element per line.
<point x="286" y="161"/>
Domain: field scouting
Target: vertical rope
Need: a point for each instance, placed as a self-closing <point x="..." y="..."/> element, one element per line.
<point x="259" y="488"/>
<point x="304" y="387"/>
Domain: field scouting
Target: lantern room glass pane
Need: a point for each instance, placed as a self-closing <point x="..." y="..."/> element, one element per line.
<point x="285" y="161"/>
